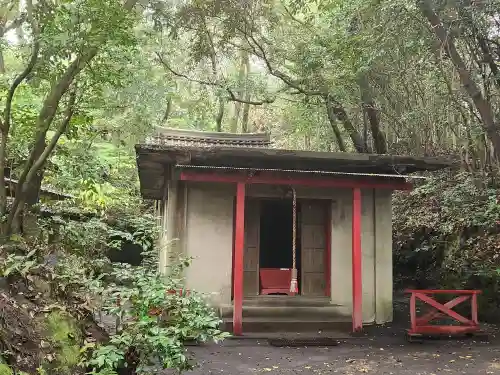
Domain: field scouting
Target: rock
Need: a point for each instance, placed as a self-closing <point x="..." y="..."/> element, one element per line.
<point x="41" y="285"/>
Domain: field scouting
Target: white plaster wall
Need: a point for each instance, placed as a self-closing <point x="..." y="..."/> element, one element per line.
<point x="368" y="254"/>
<point x="209" y="236"/>
<point x="209" y="239"/>
<point x="341" y="256"/>
<point x="383" y="257"/>
<point x="376" y="247"/>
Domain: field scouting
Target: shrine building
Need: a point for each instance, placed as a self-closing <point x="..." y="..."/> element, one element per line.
<point x="280" y="239"/>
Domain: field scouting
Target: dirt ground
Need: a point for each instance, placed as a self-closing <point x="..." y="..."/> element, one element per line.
<point x="381" y="355"/>
<point x="382" y="350"/>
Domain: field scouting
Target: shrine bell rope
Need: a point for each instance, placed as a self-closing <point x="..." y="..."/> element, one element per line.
<point x="293" y="283"/>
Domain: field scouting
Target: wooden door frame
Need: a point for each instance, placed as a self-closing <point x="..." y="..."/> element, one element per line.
<point x="328" y="243"/>
<point x="248" y="199"/>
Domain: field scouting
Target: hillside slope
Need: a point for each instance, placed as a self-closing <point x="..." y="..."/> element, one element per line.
<point x="447" y="235"/>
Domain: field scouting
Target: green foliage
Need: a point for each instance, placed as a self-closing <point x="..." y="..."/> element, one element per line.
<point x="153" y="324"/>
<point x="447" y="235"/>
<point x="20" y="265"/>
<point x="5" y="370"/>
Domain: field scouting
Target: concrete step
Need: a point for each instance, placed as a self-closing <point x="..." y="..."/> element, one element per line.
<point x="269" y="325"/>
<point x="329" y="312"/>
<point x="276" y="300"/>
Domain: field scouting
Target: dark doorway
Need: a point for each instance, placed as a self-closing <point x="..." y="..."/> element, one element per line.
<point x="276" y="231"/>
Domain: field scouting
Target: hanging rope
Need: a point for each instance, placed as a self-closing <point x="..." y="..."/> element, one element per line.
<point x="293" y="283"/>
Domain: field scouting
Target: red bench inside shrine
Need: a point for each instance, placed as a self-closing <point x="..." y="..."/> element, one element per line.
<point x="275" y="281"/>
<point x="421" y="325"/>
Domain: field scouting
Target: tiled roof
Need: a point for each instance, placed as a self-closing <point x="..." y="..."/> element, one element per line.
<point x="194" y="138"/>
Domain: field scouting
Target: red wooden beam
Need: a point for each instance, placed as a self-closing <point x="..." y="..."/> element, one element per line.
<point x="357" y="290"/>
<point x="239" y="238"/>
<point x="266" y="178"/>
<point x="441" y="308"/>
<point x="426" y="318"/>
<point x="442" y="291"/>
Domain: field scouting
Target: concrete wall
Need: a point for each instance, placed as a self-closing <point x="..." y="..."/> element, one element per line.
<point x="376" y="243"/>
<point x="208" y="238"/>
<point x="383" y="257"/>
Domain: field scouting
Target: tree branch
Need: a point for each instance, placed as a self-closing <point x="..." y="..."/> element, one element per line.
<point x="49" y="111"/>
<point x="232" y="95"/>
<point x="6" y="122"/>
<point x="39" y="163"/>
<point x="258" y="50"/>
<point x="5" y="126"/>
<point x="482" y="104"/>
<point x="14" y="24"/>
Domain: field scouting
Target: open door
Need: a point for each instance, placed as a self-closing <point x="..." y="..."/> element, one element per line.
<point x="313" y="223"/>
<point x="251" y="251"/>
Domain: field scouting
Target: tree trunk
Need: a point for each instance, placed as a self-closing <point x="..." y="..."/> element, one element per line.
<point x="29" y="188"/>
<point x="168" y="110"/>
<point x="3" y="190"/>
<point x="336" y="131"/>
<point x="246" y="106"/>
<point x="220" y="113"/>
<point x="2" y="61"/>
<point x="240" y="91"/>
<point x="480" y="103"/>
<point x="480" y="36"/>
<point x="373" y="116"/>
<point x="44" y="120"/>
<point x="39" y="154"/>
<point x="35" y="184"/>
<point x="336" y="110"/>
<point x="5" y="123"/>
<point x="219" y="116"/>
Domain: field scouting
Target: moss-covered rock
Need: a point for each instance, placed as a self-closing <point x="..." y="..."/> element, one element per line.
<point x="65" y="339"/>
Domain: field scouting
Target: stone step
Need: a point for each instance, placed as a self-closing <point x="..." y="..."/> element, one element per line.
<point x="329" y="312"/>
<point x="276" y="300"/>
<point x="269" y="325"/>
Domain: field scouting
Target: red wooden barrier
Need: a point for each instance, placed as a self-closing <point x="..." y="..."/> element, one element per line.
<point x="422" y="325"/>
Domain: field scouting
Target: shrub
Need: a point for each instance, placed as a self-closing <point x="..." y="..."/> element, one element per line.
<point x="153" y="324"/>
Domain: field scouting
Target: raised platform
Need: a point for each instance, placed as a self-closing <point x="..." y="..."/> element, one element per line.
<point x="292" y="314"/>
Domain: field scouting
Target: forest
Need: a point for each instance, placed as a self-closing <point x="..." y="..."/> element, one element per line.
<point x="83" y="81"/>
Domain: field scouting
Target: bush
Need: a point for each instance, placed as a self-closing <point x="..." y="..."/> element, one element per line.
<point x="153" y="325"/>
<point x="447" y="235"/>
<point x="55" y="282"/>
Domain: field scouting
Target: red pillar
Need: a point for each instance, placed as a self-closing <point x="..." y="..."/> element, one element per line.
<point x="239" y="238"/>
<point x="357" y="291"/>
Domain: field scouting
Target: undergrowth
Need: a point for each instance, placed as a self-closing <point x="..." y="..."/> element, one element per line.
<point x="446" y="234"/>
<point x="54" y="284"/>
